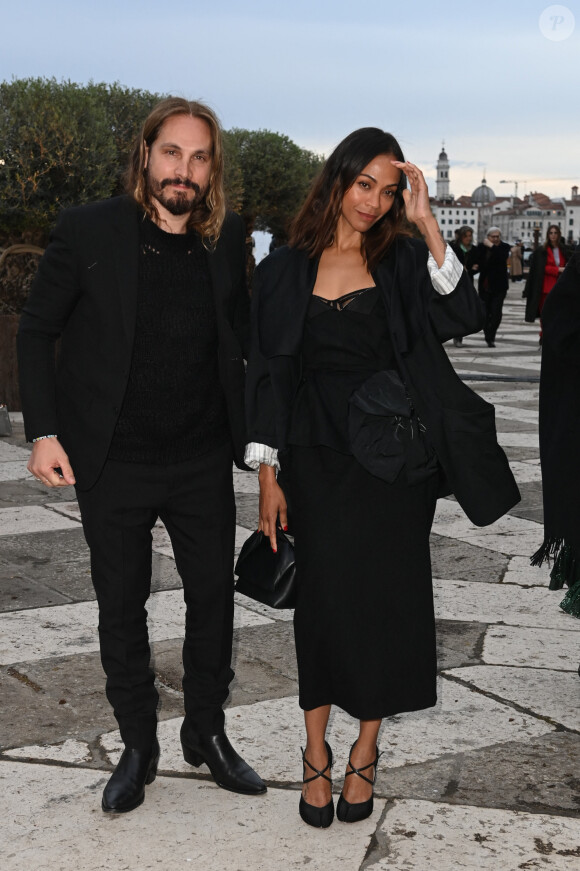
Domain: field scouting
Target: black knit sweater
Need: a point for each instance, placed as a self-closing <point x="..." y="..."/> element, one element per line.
<point x="174" y="407"/>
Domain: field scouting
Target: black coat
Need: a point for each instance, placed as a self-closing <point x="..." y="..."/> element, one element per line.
<point x="560" y="409"/>
<point x="466" y="258"/>
<point x="85" y="293"/>
<point x="534" y="284"/>
<point x="493" y="270"/>
<point x="460" y="424"/>
<point x="535" y="281"/>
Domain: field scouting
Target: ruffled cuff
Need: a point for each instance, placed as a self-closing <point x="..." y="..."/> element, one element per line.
<point x="256" y="454"/>
<point x="446" y="278"/>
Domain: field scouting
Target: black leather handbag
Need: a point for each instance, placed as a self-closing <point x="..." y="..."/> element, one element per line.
<point x="265" y="576"/>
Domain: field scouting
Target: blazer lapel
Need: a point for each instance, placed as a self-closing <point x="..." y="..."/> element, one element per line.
<point x="286" y="282"/>
<point x="125" y="253"/>
<point x="221" y="281"/>
<point x="396" y="277"/>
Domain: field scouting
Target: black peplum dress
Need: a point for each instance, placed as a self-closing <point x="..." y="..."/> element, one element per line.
<point x="364" y="622"/>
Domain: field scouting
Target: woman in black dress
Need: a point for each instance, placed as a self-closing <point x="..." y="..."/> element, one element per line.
<point x="351" y="394"/>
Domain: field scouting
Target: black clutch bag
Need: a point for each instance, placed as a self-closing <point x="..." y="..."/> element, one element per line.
<point x="265" y="576"/>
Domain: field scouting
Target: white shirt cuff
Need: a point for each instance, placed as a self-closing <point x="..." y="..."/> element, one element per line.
<point x="446" y="278"/>
<point x="256" y="454"/>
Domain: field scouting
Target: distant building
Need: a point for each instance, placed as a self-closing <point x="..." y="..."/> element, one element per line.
<point x="443" y="194"/>
<point x="572" y="221"/>
<point x="451" y="214"/>
<point x="482" y="195"/>
<point x="524" y="219"/>
<point x="530" y="218"/>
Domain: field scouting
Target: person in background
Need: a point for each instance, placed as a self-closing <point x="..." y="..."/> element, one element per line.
<point x="464" y="250"/>
<point x="515" y="262"/>
<point x="560" y="435"/>
<point x="491" y="256"/>
<point x="546" y="265"/>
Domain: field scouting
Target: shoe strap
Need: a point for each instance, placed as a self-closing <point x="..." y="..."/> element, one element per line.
<point x="364" y="768"/>
<point x="318" y="773"/>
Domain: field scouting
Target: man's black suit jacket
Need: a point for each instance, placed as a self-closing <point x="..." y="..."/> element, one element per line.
<point x="85" y="293"/>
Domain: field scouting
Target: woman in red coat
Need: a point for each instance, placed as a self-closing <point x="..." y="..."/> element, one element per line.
<point x="547" y="264"/>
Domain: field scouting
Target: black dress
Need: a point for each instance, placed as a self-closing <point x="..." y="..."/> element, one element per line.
<point x="364" y="622"/>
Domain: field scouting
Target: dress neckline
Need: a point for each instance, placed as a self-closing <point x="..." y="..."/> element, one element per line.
<point x="342" y="301"/>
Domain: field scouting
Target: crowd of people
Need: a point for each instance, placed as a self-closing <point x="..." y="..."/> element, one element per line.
<point x="143" y="412"/>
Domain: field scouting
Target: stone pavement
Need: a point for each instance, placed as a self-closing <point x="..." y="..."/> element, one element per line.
<point x="490" y="778"/>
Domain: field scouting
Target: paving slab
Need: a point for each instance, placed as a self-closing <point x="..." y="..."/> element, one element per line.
<point x="57" y="824"/>
<point x="18" y="592"/>
<point x="11" y="453"/>
<point x="519" y="571"/>
<point x="526" y="472"/>
<point x="247" y="510"/>
<point x="506" y="397"/>
<point x="554" y="695"/>
<point x="68" y="629"/>
<point x="514" y="439"/>
<point x="500" y="604"/>
<point x="32" y="518"/>
<point x="269" y="734"/>
<point x="28" y="491"/>
<point x="58" y="560"/>
<point x="510" y="535"/>
<point x="420" y="835"/>
<point x="451" y="558"/>
<point x="521" y="415"/>
<point x="14" y="470"/>
<point x="459" y="643"/>
<point x="540" y="775"/>
<point x="556" y="649"/>
<point x="246" y="482"/>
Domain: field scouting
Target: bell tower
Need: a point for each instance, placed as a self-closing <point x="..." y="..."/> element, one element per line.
<point x="443" y="176"/>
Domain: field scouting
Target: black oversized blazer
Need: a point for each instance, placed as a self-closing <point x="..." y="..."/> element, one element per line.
<point x="85" y="293"/>
<point x="461" y="425"/>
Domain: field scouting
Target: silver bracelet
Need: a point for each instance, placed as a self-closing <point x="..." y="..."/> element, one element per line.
<point x="40" y="438"/>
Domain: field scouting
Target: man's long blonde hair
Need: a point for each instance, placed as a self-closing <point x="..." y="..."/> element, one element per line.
<point x="207" y="217"/>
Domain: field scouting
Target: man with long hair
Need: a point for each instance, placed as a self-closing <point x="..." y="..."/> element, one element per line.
<point x="143" y="413"/>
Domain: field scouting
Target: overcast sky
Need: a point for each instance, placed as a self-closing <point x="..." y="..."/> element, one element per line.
<point x="480" y="75"/>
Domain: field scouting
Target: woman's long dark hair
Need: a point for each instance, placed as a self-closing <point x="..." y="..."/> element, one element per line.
<point x="559" y="244"/>
<point x="315" y="225"/>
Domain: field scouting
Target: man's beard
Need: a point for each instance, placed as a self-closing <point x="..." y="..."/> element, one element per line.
<point x="178" y="203"/>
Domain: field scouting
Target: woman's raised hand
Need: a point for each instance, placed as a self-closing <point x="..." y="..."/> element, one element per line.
<point x="419" y="211"/>
<point x="417" y="198"/>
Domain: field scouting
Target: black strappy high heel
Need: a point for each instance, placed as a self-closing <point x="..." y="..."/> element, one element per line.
<point x="319" y="817"/>
<point x="354" y="813"/>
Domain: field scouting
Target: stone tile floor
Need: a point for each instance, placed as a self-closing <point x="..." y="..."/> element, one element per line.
<point x="489" y="778"/>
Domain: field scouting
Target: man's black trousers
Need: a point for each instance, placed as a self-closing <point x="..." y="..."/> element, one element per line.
<point x="195" y="501"/>
<point x="493" y="303"/>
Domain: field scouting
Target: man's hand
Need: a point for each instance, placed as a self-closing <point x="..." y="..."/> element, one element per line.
<point x="47" y="456"/>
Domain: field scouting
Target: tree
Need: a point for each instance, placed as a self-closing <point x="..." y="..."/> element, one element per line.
<point x="276" y="174"/>
<point x="56" y="149"/>
<point x="233" y="177"/>
<point x="126" y="110"/>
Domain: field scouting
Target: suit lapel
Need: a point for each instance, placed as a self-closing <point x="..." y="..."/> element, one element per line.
<point x="125" y="252"/>
<point x="221" y="281"/>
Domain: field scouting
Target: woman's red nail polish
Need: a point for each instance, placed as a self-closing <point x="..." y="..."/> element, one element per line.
<point x="285" y="529"/>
